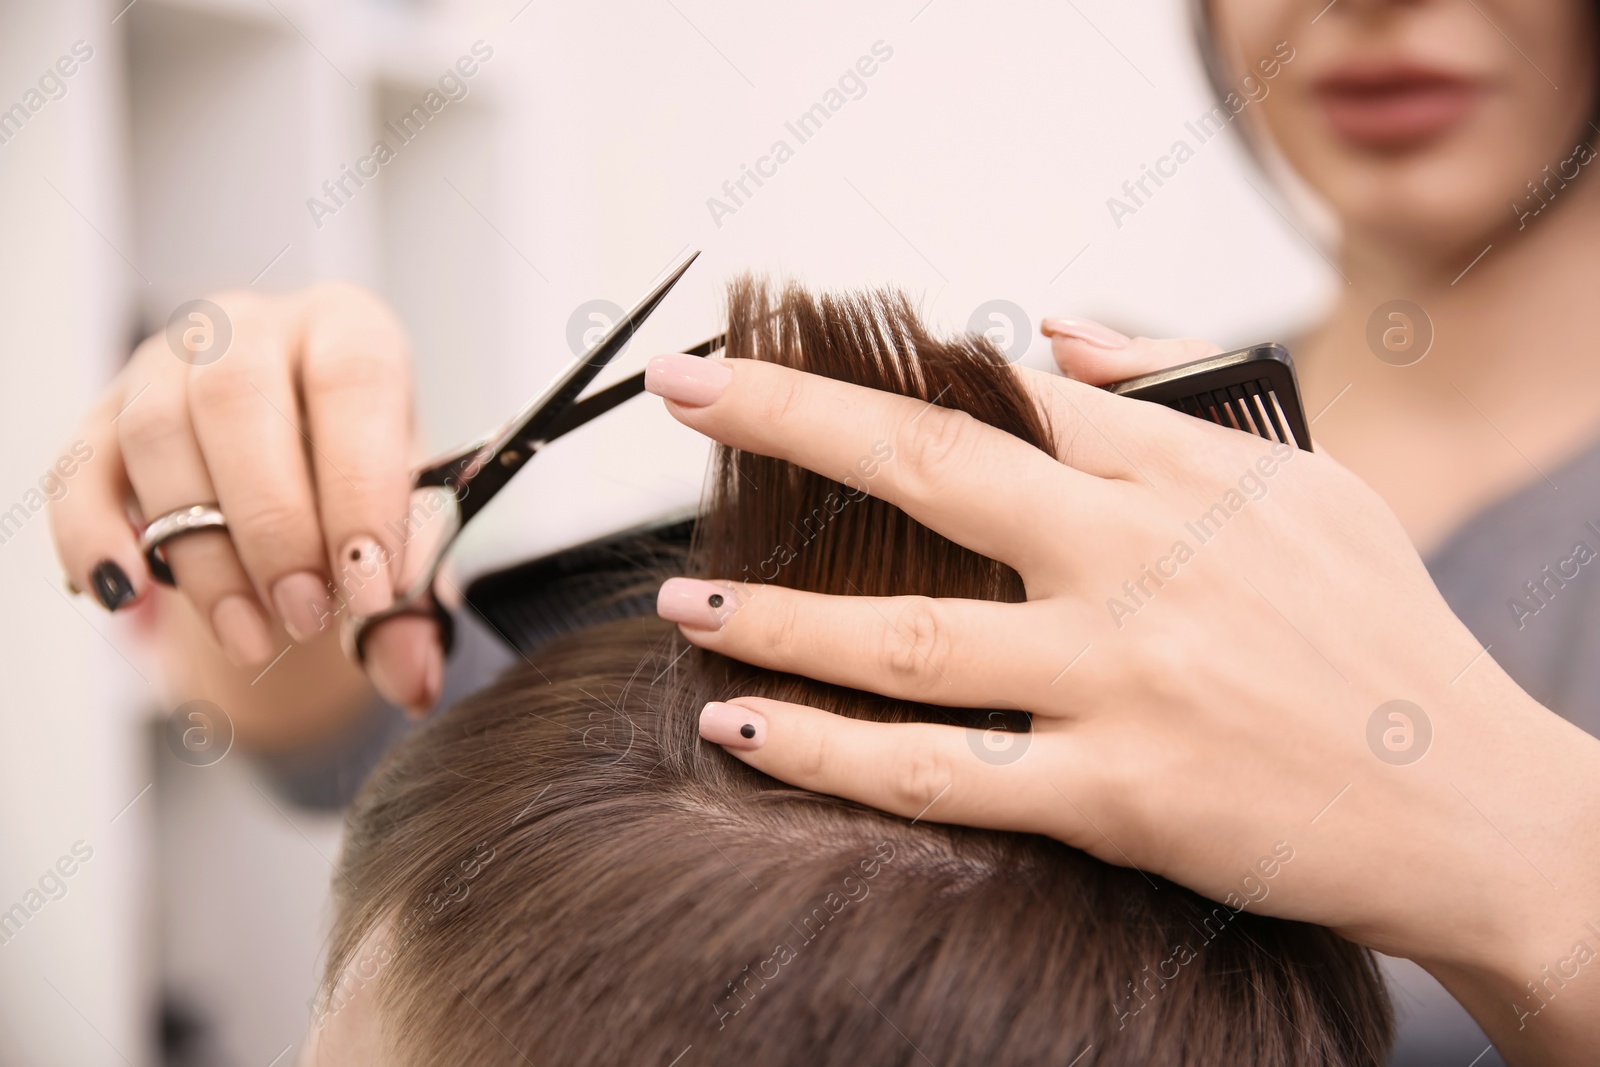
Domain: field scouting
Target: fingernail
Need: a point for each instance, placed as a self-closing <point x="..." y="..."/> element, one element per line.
<point x="111" y="585"/>
<point x="364" y="574"/>
<point x="432" y="682"/>
<point x="302" y="602"/>
<point x="694" y="603"/>
<point x="383" y="679"/>
<point x="732" y="725"/>
<point x="692" y="380"/>
<point x="242" y="630"/>
<point x="1083" y="330"/>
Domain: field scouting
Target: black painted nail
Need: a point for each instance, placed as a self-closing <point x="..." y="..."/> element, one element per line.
<point x="111" y="585"/>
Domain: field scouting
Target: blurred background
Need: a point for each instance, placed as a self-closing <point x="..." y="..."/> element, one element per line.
<point x="594" y="145"/>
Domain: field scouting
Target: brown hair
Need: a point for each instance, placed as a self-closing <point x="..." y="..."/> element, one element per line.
<point x="558" y="870"/>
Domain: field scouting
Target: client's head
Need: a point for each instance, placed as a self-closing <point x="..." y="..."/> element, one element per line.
<point x="559" y="871"/>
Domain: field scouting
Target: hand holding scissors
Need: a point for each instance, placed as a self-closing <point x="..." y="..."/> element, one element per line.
<point x="449" y="492"/>
<point x="275" y="480"/>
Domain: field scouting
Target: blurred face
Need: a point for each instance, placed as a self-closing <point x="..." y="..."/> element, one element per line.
<point x="1421" y="122"/>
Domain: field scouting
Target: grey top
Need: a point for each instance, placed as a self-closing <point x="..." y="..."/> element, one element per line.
<point x="1519" y="574"/>
<point x="1522" y="574"/>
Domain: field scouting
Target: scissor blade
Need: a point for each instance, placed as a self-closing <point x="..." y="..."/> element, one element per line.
<point x="592" y="407"/>
<point x="493" y="465"/>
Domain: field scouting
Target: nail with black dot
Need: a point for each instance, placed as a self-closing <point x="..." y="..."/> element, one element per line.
<point x="733" y="725"/>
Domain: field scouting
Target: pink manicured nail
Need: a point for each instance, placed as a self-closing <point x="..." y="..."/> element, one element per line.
<point x="691" y="380"/>
<point x="302" y="602"/>
<point x="732" y="725"/>
<point x="364" y="583"/>
<point x="432" y="682"/>
<point x="1083" y="330"/>
<point x="691" y="602"/>
<point x="406" y="664"/>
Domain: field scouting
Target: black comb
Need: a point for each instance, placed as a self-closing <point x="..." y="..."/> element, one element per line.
<point x="1253" y="389"/>
<point x="613" y="577"/>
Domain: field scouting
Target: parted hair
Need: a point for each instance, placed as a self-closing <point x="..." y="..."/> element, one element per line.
<point x="558" y="870"/>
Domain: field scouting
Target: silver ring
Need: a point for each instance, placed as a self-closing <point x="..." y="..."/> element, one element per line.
<point x="164" y="528"/>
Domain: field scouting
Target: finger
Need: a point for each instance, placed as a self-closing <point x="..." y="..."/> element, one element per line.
<point x="405" y="661"/>
<point x="247" y="423"/>
<point x="1098" y="355"/>
<point x="978" y="486"/>
<point x="356" y="377"/>
<point x="1095" y="431"/>
<point x="97" y="545"/>
<point x="167" y="472"/>
<point x="960" y="653"/>
<point x="921" y="771"/>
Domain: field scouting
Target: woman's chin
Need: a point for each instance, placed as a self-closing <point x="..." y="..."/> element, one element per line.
<point x="1424" y="203"/>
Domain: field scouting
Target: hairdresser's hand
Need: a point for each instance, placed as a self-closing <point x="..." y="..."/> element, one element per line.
<point x="300" y="429"/>
<point x="1214" y="629"/>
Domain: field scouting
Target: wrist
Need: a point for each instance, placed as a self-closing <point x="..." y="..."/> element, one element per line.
<point x="1543" y="1011"/>
<point x="1525" y="957"/>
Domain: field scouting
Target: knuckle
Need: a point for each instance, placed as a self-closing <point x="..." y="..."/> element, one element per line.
<point x="782" y="624"/>
<point x="1137" y="771"/>
<point x="1164" y="666"/>
<point x="1191" y="348"/>
<point x="929" y="444"/>
<point x="354" y="363"/>
<point x="348" y="321"/>
<point x="340" y="297"/>
<point x="153" y="420"/>
<point x="339" y="290"/>
<point x="223" y="387"/>
<point x="245" y="307"/>
<point x="920" y="775"/>
<point x="916" y="644"/>
<point x="153" y="350"/>
<point x="1068" y="447"/>
<point x="812" y="755"/>
<point x="782" y="396"/>
<point x="271" y="521"/>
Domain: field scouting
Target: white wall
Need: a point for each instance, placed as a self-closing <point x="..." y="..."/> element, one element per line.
<point x="72" y="757"/>
<point x="975" y="167"/>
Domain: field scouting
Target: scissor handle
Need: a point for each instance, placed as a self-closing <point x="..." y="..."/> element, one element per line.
<point x="431" y="525"/>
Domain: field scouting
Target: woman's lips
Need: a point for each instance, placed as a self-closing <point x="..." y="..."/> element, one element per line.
<point x="1395" y="108"/>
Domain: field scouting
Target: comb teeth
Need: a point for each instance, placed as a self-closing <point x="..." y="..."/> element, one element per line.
<point x="1253" y="390"/>
<point x="1250" y="406"/>
<point x="615" y="577"/>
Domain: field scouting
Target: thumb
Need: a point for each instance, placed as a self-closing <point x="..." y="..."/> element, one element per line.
<point x="1099" y="355"/>
<point x="405" y="660"/>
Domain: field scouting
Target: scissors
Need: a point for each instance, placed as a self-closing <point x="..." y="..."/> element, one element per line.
<point x="451" y="490"/>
